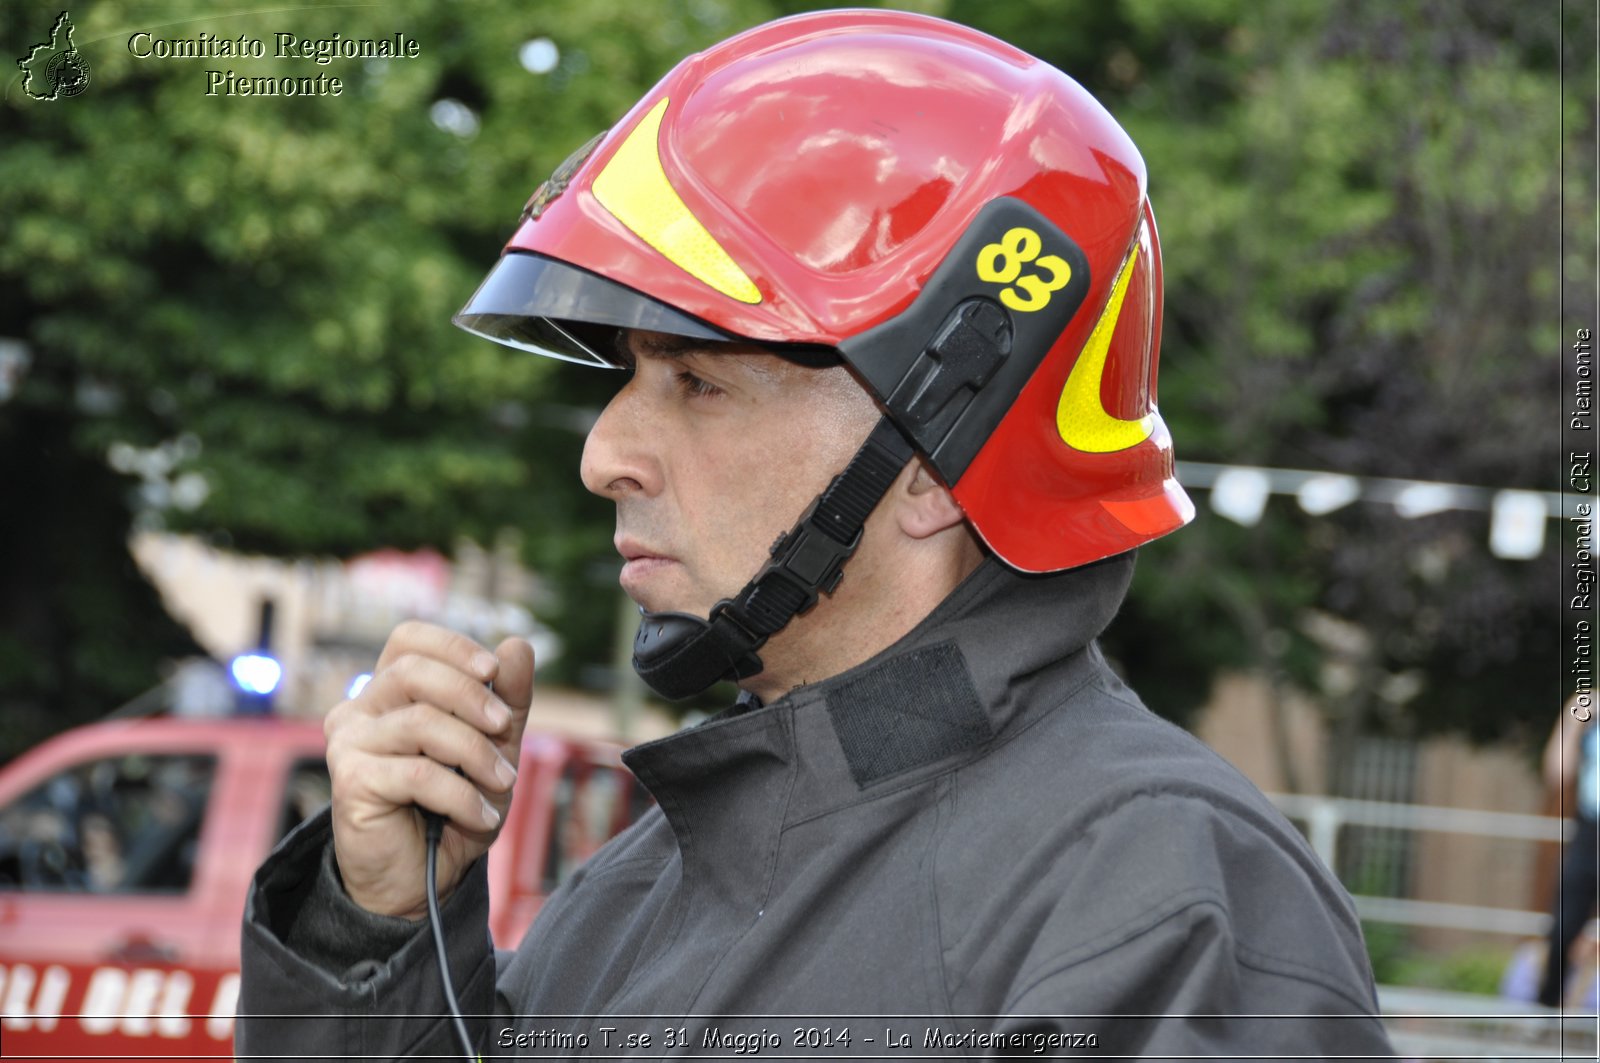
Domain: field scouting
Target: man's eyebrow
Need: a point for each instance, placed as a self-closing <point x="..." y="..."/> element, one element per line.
<point x="654" y="345"/>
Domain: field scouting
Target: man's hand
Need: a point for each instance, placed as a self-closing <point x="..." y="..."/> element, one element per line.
<point x="394" y="748"/>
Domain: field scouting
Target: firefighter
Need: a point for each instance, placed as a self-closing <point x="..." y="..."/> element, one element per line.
<point x="884" y="298"/>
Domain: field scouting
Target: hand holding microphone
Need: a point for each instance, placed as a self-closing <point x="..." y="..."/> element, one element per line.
<point x="395" y="748"/>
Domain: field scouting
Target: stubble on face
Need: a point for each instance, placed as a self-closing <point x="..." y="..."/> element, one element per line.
<point x="719" y="473"/>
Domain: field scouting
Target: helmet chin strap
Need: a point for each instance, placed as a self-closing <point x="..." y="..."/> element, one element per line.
<point x="679" y="655"/>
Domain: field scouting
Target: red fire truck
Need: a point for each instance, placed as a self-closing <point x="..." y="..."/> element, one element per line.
<point x="126" y="849"/>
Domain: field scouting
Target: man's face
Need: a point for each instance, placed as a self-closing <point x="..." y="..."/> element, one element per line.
<point x="710" y="452"/>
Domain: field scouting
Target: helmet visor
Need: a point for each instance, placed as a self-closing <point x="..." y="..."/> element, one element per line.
<point x="547" y="307"/>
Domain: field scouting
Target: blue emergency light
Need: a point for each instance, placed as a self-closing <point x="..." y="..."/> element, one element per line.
<point x="256" y="673"/>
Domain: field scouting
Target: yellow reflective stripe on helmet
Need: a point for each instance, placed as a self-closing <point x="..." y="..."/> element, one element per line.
<point x="635" y="189"/>
<point x="1081" y="417"/>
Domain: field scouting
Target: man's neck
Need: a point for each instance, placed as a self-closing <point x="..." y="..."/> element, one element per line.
<point x="876" y="605"/>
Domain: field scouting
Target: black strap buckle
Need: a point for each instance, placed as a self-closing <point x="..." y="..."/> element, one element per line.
<point x="810" y="556"/>
<point x="805" y="562"/>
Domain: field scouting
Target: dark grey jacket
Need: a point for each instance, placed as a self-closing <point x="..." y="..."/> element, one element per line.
<point x="980" y="834"/>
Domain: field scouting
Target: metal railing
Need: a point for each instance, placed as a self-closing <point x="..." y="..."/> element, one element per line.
<point x="1430" y="1024"/>
<point x="1324" y="816"/>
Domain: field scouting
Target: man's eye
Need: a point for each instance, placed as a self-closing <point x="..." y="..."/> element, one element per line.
<point x="693" y="386"/>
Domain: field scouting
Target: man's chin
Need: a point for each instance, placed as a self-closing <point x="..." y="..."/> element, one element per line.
<point x="647" y="581"/>
<point x="668" y="608"/>
<point x="660" y="585"/>
<point x="656" y="600"/>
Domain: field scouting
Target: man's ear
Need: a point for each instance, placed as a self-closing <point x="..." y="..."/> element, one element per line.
<point x="926" y="506"/>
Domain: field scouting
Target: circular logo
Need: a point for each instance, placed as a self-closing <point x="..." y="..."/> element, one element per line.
<point x="68" y="73"/>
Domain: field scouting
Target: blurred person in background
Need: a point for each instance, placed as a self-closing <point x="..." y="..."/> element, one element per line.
<point x="901" y="281"/>
<point x="1572" y="769"/>
<point x="104" y="867"/>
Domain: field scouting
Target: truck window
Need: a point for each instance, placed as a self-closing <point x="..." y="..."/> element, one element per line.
<point x="124" y="824"/>
<point x="306" y="791"/>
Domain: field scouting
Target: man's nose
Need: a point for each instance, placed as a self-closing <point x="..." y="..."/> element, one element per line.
<point x="616" y="459"/>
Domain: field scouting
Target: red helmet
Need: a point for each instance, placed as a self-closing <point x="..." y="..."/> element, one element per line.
<point x="847" y="180"/>
<point x="958" y="220"/>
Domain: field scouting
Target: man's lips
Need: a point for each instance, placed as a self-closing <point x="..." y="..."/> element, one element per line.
<point x="640" y="563"/>
<point x="633" y="550"/>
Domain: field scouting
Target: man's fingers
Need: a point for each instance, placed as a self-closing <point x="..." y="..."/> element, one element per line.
<point x="433" y="733"/>
<point x="423" y="781"/>
<point x="515" y="686"/>
<point x="515" y="680"/>
<point x="413" y="678"/>
<point x="422" y="639"/>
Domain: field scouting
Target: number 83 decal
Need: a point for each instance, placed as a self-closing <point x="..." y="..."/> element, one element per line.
<point x="1002" y="262"/>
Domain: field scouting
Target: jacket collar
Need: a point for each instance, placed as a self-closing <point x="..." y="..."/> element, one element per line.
<point x="932" y="701"/>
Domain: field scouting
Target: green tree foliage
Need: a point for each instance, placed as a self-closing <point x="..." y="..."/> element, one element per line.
<point x="263" y="286"/>
<point x="1359" y="207"/>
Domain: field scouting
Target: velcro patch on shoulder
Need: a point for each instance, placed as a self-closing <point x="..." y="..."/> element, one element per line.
<point x="909" y="711"/>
